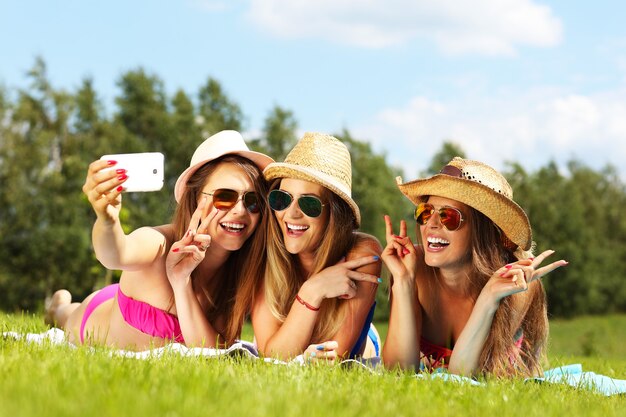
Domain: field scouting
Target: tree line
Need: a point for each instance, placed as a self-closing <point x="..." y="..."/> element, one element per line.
<point x="48" y="136"/>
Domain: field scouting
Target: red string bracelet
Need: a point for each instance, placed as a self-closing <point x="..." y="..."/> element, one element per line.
<point x="307" y="305"/>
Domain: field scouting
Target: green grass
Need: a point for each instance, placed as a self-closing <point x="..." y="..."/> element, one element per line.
<point x="62" y="381"/>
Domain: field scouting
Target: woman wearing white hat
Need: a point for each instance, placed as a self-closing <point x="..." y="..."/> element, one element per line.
<point x="317" y="295"/>
<point x="468" y="297"/>
<point x="214" y="248"/>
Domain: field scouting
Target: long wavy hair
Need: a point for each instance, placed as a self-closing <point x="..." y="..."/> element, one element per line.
<point x="490" y="250"/>
<point x="231" y="298"/>
<point x="284" y="275"/>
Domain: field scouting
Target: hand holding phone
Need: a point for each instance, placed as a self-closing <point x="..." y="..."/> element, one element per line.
<point x="144" y="170"/>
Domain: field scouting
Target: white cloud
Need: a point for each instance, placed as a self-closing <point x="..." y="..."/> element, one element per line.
<point x="491" y="27"/>
<point x="531" y="128"/>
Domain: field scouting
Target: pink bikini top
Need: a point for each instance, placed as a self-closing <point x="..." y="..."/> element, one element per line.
<point x="149" y="319"/>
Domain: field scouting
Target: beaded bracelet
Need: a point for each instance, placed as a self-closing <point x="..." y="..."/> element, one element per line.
<point x="307" y="305"/>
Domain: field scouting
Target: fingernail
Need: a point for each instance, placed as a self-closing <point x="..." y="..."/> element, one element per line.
<point x="532" y="259"/>
<point x="313" y="354"/>
<point x="405" y="251"/>
<point x="120" y="188"/>
<point x="111" y="162"/>
<point x="120" y="171"/>
<point x="380" y="280"/>
<point x="376" y="258"/>
<point x="508" y="266"/>
<point x="122" y="177"/>
<point x="319" y="347"/>
<point x="504" y="273"/>
<point x="175" y="250"/>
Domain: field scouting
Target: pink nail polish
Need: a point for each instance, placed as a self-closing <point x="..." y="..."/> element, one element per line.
<point x="508" y="266"/>
<point x="111" y="162"/>
<point x="175" y="250"/>
<point x="120" y="188"/>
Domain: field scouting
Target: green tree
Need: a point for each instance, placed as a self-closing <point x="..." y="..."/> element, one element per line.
<point x="46" y="245"/>
<point x="187" y="134"/>
<point x="279" y="133"/>
<point x="448" y="151"/>
<point x="217" y="112"/>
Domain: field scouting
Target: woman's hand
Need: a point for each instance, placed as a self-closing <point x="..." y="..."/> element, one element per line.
<point x="186" y="254"/>
<point x="515" y="277"/>
<point x="399" y="255"/>
<point x="104" y="189"/>
<point x="339" y="280"/>
<point x="321" y="352"/>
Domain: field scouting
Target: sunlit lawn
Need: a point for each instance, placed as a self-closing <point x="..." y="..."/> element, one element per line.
<point x="62" y="381"/>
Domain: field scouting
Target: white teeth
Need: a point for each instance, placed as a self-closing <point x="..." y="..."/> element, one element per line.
<point x="296" y="227"/>
<point x="233" y="225"/>
<point x="437" y="240"/>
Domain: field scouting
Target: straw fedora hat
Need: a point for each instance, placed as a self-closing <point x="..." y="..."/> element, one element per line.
<point x="480" y="187"/>
<point x="321" y="159"/>
<point x="220" y="144"/>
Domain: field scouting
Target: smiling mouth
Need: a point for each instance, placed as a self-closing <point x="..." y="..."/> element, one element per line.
<point x="233" y="227"/>
<point x="437" y="242"/>
<point x="296" y="229"/>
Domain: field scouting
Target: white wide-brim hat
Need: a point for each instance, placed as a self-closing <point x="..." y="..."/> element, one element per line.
<point x="479" y="186"/>
<point x="222" y="143"/>
<point x="321" y="159"/>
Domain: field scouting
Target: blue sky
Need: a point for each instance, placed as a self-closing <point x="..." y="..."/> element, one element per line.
<point x="523" y="80"/>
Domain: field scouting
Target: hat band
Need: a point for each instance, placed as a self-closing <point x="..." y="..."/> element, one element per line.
<point x="451" y="171"/>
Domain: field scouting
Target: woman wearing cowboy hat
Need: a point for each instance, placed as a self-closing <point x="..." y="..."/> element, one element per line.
<point x="317" y="295"/>
<point x="468" y="297"/>
<point x="213" y="243"/>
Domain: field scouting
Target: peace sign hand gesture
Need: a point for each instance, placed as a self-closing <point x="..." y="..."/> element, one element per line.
<point x="186" y="254"/>
<point x="399" y="255"/>
<point x="515" y="277"/>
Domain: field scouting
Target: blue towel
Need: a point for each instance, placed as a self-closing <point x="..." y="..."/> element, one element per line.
<point x="573" y="375"/>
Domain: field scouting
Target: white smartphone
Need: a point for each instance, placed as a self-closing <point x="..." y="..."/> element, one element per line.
<point x="144" y="170"/>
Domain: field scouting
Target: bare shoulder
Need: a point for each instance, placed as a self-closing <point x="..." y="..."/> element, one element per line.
<point x="366" y="245"/>
<point x="167" y="230"/>
<point x="152" y="237"/>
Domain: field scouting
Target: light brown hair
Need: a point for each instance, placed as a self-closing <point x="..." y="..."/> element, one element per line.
<point x="499" y="356"/>
<point x="283" y="271"/>
<point x="231" y="298"/>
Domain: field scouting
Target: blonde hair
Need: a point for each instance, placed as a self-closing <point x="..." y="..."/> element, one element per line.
<point x="490" y="250"/>
<point x="284" y="275"/>
<point x="232" y="297"/>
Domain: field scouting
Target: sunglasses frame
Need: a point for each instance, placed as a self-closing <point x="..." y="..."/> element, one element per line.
<point x="322" y="205"/>
<point x="240" y="196"/>
<point x="439" y="210"/>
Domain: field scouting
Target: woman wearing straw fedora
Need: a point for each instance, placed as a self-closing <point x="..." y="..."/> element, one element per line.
<point x="317" y="296"/>
<point x="178" y="280"/>
<point x="468" y="297"/>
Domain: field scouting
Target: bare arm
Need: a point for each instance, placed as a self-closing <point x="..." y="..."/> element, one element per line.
<point x="508" y="280"/>
<point x="113" y="248"/>
<point x="290" y="338"/>
<point x="183" y="258"/>
<point x="402" y="347"/>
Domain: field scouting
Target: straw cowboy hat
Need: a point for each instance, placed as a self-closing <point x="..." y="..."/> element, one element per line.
<point x="321" y="159"/>
<point x="480" y="187"/>
<point x="220" y="144"/>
